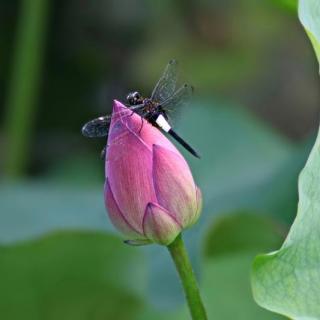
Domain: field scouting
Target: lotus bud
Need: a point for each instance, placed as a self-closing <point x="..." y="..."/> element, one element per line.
<point x="150" y="193"/>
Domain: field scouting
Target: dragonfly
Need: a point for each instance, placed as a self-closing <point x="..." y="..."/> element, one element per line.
<point x="155" y="109"/>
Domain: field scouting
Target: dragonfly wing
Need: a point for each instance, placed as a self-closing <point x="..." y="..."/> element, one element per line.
<point x="180" y="98"/>
<point x="166" y="84"/>
<point x="97" y="128"/>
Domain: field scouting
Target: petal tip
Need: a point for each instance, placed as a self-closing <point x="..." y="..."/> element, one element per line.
<point x="159" y="150"/>
<point x="118" y="106"/>
<point x="159" y="226"/>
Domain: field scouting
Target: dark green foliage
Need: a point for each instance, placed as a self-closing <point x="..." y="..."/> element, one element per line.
<point x="70" y="275"/>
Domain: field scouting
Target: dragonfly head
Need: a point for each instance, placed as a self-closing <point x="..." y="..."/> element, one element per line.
<point x="134" y="98"/>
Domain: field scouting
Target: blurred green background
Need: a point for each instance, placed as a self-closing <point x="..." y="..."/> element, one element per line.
<point x="253" y="119"/>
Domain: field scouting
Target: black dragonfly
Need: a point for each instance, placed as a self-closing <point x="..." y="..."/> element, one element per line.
<point x="155" y="109"/>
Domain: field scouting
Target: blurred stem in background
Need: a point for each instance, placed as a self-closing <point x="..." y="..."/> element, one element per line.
<point x="24" y="86"/>
<point x="181" y="260"/>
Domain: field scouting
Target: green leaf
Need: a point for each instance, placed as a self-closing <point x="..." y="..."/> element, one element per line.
<point x="231" y="244"/>
<point x="286" y="281"/>
<point x="71" y="275"/>
<point x="242" y="232"/>
<point x="290" y="5"/>
<point x="309" y="15"/>
<point x="156" y="314"/>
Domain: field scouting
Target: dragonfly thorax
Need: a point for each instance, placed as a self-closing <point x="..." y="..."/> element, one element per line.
<point x="149" y="104"/>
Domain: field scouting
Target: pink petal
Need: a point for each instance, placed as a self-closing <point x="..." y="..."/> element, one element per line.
<point x="116" y="216"/>
<point x="174" y="185"/>
<point x="159" y="226"/>
<point x="119" y="112"/>
<point x="129" y="171"/>
<point x="194" y="218"/>
<point x="153" y="135"/>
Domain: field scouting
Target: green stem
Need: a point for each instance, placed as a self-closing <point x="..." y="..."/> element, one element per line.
<point x="181" y="260"/>
<point x="24" y="84"/>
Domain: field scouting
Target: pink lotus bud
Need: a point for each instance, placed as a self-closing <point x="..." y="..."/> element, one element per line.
<point x="149" y="191"/>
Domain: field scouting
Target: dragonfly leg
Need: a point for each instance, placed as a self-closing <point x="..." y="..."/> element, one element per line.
<point x="144" y="115"/>
<point x="103" y="153"/>
<point x="141" y="126"/>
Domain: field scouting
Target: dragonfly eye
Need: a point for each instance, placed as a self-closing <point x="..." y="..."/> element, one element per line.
<point x="137" y="95"/>
<point x="133" y="98"/>
<point x="130" y="98"/>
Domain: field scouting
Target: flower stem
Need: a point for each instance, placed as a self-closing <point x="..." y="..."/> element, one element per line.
<point x="181" y="260"/>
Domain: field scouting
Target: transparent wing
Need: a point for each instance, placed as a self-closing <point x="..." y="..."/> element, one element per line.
<point x="166" y="84"/>
<point x="99" y="127"/>
<point x="180" y="98"/>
